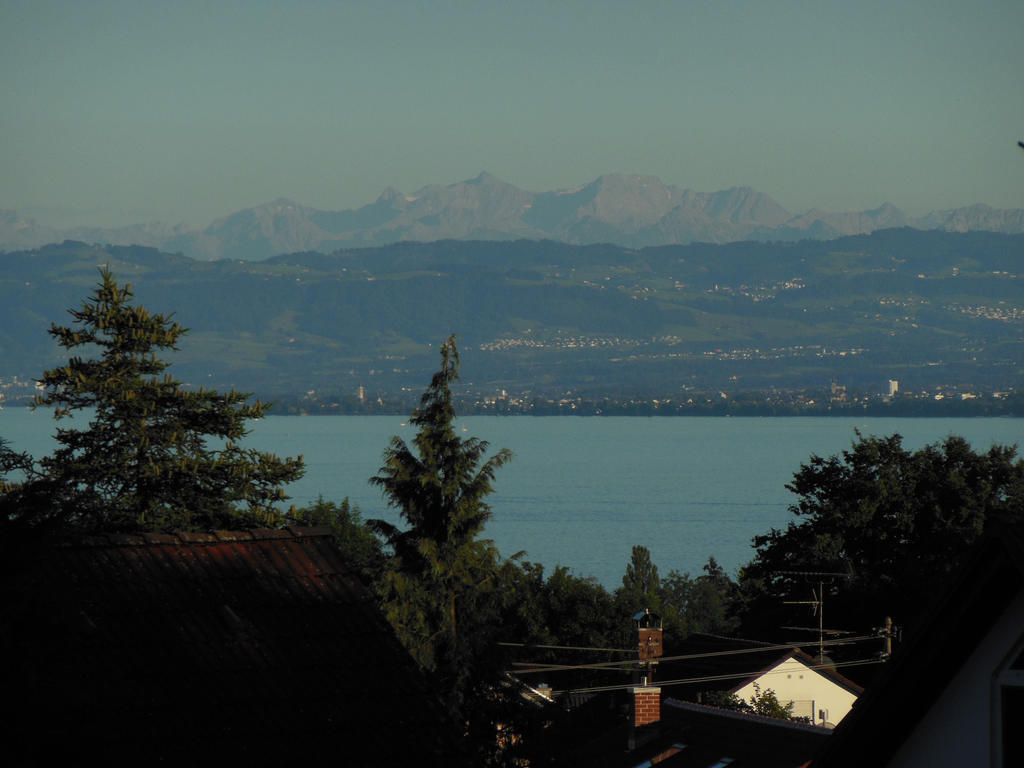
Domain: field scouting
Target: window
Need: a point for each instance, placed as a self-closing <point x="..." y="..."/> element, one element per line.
<point x="1011" y="707"/>
<point x="1008" y="715"/>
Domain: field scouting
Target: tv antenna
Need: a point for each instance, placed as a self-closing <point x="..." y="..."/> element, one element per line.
<point x="817" y="603"/>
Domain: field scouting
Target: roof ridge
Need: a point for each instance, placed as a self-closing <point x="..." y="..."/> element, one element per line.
<point x="826" y="670"/>
<point x="747" y="716"/>
<point x="177" y="538"/>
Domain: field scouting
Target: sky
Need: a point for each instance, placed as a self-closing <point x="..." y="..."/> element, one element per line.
<point x="120" y="112"/>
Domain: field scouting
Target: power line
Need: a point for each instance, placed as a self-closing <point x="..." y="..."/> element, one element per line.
<point x="708" y="678"/>
<point x="761" y="648"/>
<point x="540" y="667"/>
<point x="568" y="647"/>
<point x="611" y="666"/>
<point x="533" y="666"/>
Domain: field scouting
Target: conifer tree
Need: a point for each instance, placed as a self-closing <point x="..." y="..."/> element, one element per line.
<point x="152" y="455"/>
<point x="439" y="485"/>
<point x="640" y="585"/>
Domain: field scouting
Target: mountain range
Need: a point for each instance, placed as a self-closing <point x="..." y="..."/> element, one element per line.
<point x="633" y="211"/>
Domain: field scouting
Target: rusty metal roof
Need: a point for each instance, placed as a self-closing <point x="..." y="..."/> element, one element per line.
<point x="258" y="646"/>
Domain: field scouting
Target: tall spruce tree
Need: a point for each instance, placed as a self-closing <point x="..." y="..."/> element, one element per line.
<point x="442" y="571"/>
<point x="153" y="456"/>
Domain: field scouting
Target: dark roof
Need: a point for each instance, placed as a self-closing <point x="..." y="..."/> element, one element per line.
<point x="921" y="668"/>
<point x="257" y="647"/>
<point x="691" y="735"/>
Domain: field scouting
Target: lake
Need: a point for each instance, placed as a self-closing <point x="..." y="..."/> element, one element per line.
<point x="581" y="491"/>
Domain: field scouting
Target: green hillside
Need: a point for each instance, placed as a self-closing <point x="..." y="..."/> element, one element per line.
<point x="927" y="308"/>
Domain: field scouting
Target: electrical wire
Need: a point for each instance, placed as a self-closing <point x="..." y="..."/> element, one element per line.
<point x="540" y="667"/>
<point x="706" y="678"/>
<point x="567" y="647"/>
<point x="532" y="666"/>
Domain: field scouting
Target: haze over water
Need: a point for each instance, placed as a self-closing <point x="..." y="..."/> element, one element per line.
<point x="581" y="492"/>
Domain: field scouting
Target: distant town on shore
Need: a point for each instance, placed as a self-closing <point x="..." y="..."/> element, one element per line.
<point x="896" y="322"/>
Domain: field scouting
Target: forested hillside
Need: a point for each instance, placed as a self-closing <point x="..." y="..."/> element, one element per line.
<point x="926" y="308"/>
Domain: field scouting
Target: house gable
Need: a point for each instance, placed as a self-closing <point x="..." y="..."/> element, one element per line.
<point x="816" y="691"/>
<point x="939" y="701"/>
<point x="964" y="725"/>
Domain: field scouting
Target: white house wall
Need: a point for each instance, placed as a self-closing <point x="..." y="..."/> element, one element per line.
<point x="792" y="680"/>
<point x="958" y="729"/>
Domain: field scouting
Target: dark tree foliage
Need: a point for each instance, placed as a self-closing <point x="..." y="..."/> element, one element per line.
<point x="564" y="609"/>
<point x="21" y="502"/>
<point x="896" y="521"/>
<point x="642" y="589"/>
<point x="764" y="703"/>
<point x="443" y="584"/>
<point x="641" y="584"/>
<point x="705" y="604"/>
<point x="577" y="615"/>
<point x="138" y="455"/>
<point x="11" y="465"/>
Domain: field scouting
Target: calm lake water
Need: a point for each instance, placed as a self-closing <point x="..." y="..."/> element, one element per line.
<point x="581" y="492"/>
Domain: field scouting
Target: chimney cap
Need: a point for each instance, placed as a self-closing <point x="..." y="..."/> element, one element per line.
<point x="645" y="619"/>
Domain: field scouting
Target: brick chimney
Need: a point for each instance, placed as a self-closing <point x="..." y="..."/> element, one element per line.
<point x="647" y="698"/>
<point x="646" y="705"/>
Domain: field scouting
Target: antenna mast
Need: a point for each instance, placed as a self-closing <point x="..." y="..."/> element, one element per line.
<point x="817" y="609"/>
<point x="817" y="604"/>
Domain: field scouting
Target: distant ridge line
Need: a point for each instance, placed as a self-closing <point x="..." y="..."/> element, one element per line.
<point x="628" y="210"/>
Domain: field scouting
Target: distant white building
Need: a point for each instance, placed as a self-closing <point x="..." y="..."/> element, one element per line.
<point x="817" y="691"/>
<point x="894" y="387"/>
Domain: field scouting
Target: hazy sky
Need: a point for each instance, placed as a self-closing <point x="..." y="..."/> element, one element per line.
<point x="116" y="112"/>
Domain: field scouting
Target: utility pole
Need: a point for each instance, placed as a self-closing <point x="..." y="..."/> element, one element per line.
<point x="887" y="632"/>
